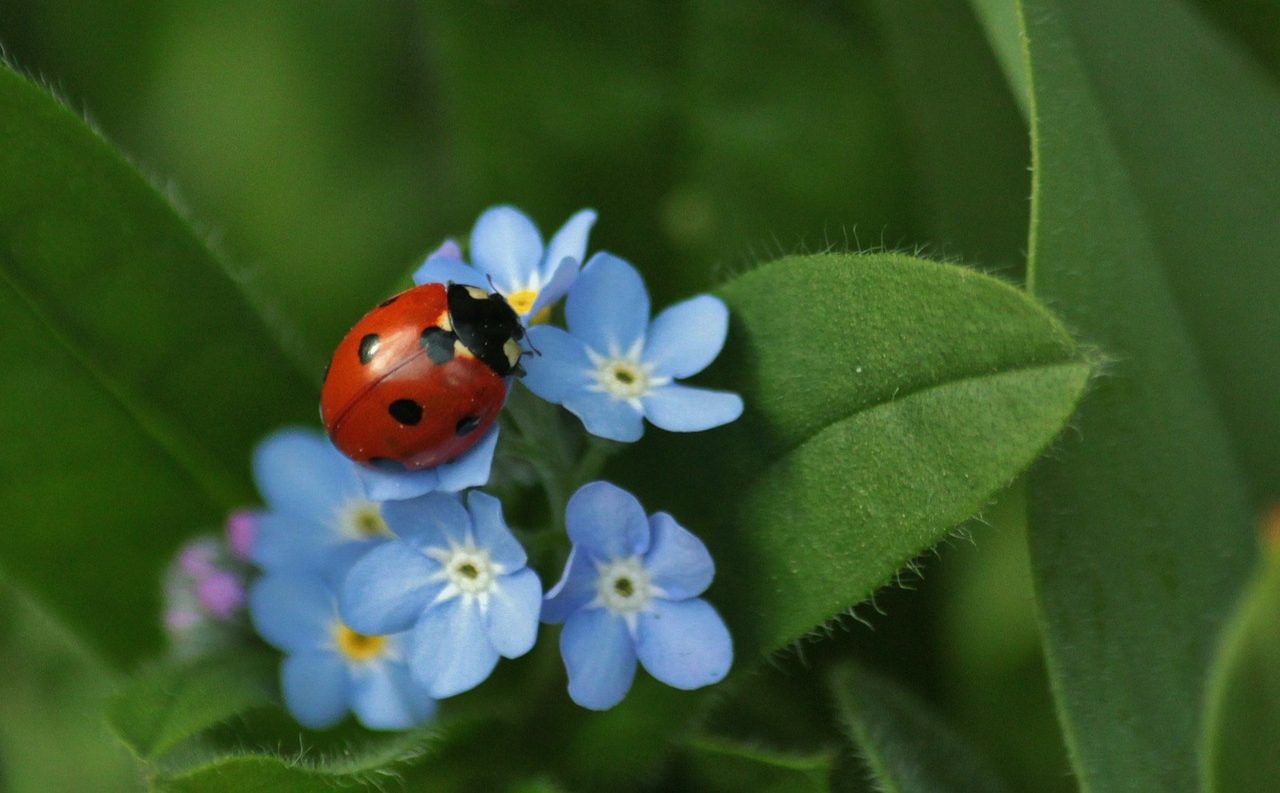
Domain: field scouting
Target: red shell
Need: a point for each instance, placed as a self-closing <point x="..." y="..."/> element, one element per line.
<point x="373" y="389"/>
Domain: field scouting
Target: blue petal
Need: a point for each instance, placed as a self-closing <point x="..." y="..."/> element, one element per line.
<point x="559" y="368"/>
<point x="570" y="242"/>
<point x="436" y="520"/>
<point x="556" y="286"/>
<point x="608" y="307"/>
<point x="441" y="270"/>
<point x="451" y="652"/>
<point x="388" y="589"/>
<point x="678" y="563"/>
<point x="294" y="611"/>
<point x="384" y="697"/>
<point x="471" y="469"/>
<point x="396" y="485"/>
<point x="300" y="473"/>
<point x="606" y="416"/>
<point x="315" y="688"/>
<point x="686" y="337"/>
<point x="288" y="541"/>
<point x="492" y="533"/>
<point x="599" y="658"/>
<point x="506" y="245"/>
<point x="607" y="522"/>
<point x="575" y="589"/>
<point x="512" y="619"/>
<point x="684" y="644"/>
<point x="680" y="408"/>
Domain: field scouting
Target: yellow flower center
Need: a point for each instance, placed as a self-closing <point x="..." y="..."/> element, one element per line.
<point x="363" y="519"/>
<point x="359" y="646"/>
<point x="522" y="302"/>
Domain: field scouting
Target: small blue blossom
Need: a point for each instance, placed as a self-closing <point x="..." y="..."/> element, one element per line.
<point x="613" y="368"/>
<point x="471" y="469"/>
<point x="630" y="592"/>
<point x="458" y="578"/>
<point x="318" y="516"/>
<point x="329" y="668"/>
<point x="507" y="248"/>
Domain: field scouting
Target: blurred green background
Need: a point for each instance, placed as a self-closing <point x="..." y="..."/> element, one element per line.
<point x="323" y="148"/>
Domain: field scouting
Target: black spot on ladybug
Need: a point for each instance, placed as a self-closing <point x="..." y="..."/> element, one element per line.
<point x="438" y="343"/>
<point x="369" y="347"/>
<point x="388" y="301"/>
<point x="468" y="424"/>
<point x="386" y="464"/>
<point x="406" y="411"/>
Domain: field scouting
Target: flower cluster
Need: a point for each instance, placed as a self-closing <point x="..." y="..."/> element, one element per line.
<point x="387" y="590"/>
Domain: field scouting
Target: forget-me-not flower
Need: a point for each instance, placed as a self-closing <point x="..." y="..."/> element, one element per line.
<point x="507" y="248"/>
<point x="613" y="368"/>
<point x="458" y="578"/>
<point x="329" y="668"/>
<point x="318" y="516"/>
<point x="470" y="469"/>
<point x="630" y="592"/>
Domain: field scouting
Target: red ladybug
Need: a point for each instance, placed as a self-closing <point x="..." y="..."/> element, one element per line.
<point x="421" y="377"/>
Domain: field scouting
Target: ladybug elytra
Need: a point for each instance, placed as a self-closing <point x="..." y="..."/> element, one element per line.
<point x="421" y="377"/>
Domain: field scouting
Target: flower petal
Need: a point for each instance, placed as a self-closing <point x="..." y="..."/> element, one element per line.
<point x="606" y="521"/>
<point x="679" y="408"/>
<point x="388" y="589"/>
<point x="295" y="611"/>
<point x="472" y="467"/>
<point x="300" y="473"/>
<point x="570" y="242"/>
<point x="605" y="416"/>
<point x="443" y="270"/>
<point x="686" y="337"/>
<point x="507" y="246"/>
<point x="382" y="485"/>
<point x="556" y="285"/>
<point x="678" y="563"/>
<point x="492" y="533"/>
<point x="599" y="658"/>
<point x="315" y="688"/>
<point x="684" y="644"/>
<point x="512" y="619"/>
<point x="608" y="307"/>
<point x="451" y="651"/>
<point x="575" y="589"/>
<point x="288" y="541"/>
<point x="384" y="697"/>
<point x="436" y="520"/>
<point x="559" y="368"/>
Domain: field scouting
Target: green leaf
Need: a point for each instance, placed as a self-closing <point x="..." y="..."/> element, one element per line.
<point x="136" y="377"/>
<point x="1243" y="713"/>
<point x="171" y="704"/>
<point x="729" y="764"/>
<point x="888" y="398"/>
<point x="1140" y="529"/>
<point x="905" y="746"/>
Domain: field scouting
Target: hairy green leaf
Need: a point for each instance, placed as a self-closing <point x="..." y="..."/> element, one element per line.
<point x="173" y="703"/>
<point x="134" y="377"/>
<point x="888" y="398"/>
<point x="730" y="764"/>
<point x="1140" y="528"/>
<point x="905" y="746"/>
<point x="1242" y="721"/>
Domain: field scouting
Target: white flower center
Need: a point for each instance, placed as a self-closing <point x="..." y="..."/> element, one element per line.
<point x="623" y="375"/>
<point x="361" y="519"/>
<point x="623" y="586"/>
<point x="467" y="570"/>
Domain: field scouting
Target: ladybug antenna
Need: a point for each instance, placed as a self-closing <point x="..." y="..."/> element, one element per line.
<point x="492" y="286"/>
<point x="533" y="349"/>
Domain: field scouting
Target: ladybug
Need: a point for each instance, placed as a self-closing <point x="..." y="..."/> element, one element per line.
<point x="421" y="377"/>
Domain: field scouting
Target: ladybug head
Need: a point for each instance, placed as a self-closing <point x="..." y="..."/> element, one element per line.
<point x="486" y="326"/>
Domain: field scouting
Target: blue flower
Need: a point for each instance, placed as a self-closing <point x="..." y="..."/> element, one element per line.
<point x="471" y="469"/>
<point x="318" y="516"/>
<point x="329" y="668"/>
<point x="630" y="592"/>
<point x="458" y="578"/>
<point x="506" y="247"/>
<point x="613" y="368"/>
